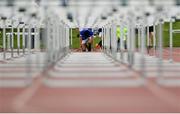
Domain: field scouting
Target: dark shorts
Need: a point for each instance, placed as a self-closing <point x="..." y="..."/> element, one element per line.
<point x="151" y="28"/>
<point x="100" y="43"/>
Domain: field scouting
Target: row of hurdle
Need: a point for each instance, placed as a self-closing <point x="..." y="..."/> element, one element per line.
<point x="136" y="56"/>
<point x="30" y="48"/>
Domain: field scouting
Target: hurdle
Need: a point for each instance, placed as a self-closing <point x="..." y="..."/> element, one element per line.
<point x="173" y="79"/>
<point x="8" y="38"/>
<point x="131" y="38"/>
<point x="20" y="71"/>
<point x="12" y="39"/>
<point x="57" y="38"/>
<point x="4" y="37"/>
<point x="122" y="43"/>
<point x="18" y="38"/>
<point x="171" y="32"/>
<point x="142" y="41"/>
<point x="125" y="57"/>
<point x="24" y="38"/>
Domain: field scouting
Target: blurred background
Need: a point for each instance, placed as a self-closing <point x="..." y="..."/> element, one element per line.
<point x="136" y="68"/>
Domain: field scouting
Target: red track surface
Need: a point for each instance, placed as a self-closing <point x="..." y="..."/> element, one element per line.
<point x="7" y="96"/>
<point x="39" y="98"/>
<point x="175" y="54"/>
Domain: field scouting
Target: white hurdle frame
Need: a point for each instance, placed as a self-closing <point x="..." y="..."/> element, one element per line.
<point x="171" y="32"/>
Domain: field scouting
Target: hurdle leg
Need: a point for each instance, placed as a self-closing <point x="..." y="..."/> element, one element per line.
<point x="171" y="40"/>
<point x="4" y="39"/>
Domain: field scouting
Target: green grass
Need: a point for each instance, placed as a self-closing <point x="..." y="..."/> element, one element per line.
<point x="76" y="39"/>
<point x="176" y="37"/>
<point x="1" y="40"/>
<point x="15" y="38"/>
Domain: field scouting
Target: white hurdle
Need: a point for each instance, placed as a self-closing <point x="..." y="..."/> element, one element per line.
<point x="171" y="32"/>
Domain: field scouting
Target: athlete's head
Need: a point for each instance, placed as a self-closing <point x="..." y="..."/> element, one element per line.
<point x="86" y="33"/>
<point x="100" y="30"/>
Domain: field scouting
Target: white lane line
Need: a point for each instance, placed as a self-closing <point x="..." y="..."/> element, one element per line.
<point x="18" y="80"/>
<point x="91" y="74"/>
<point x="164" y="95"/>
<point x="93" y="83"/>
<point x="21" y="100"/>
<point x="86" y="62"/>
<point x="18" y="74"/>
<point x="121" y="68"/>
<point x="15" y="70"/>
<point x="13" y="83"/>
<point x="86" y="65"/>
<point x="170" y="82"/>
<point x="20" y="65"/>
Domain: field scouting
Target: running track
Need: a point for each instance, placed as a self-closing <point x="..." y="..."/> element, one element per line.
<point x="39" y="97"/>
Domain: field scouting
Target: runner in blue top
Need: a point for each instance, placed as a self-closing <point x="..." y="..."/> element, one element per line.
<point x="86" y="36"/>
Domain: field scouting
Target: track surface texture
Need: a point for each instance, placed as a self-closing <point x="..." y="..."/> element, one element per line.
<point x="89" y="82"/>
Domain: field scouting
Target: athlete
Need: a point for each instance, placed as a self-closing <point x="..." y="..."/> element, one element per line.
<point x="118" y="35"/>
<point x="86" y="37"/>
<point x="150" y="45"/>
<point x="99" y="45"/>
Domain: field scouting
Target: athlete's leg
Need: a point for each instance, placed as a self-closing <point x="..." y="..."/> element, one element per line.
<point x="150" y="42"/>
<point x="83" y="45"/>
<point x="118" y="44"/>
<point x="89" y="44"/>
<point x="151" y="39"/>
